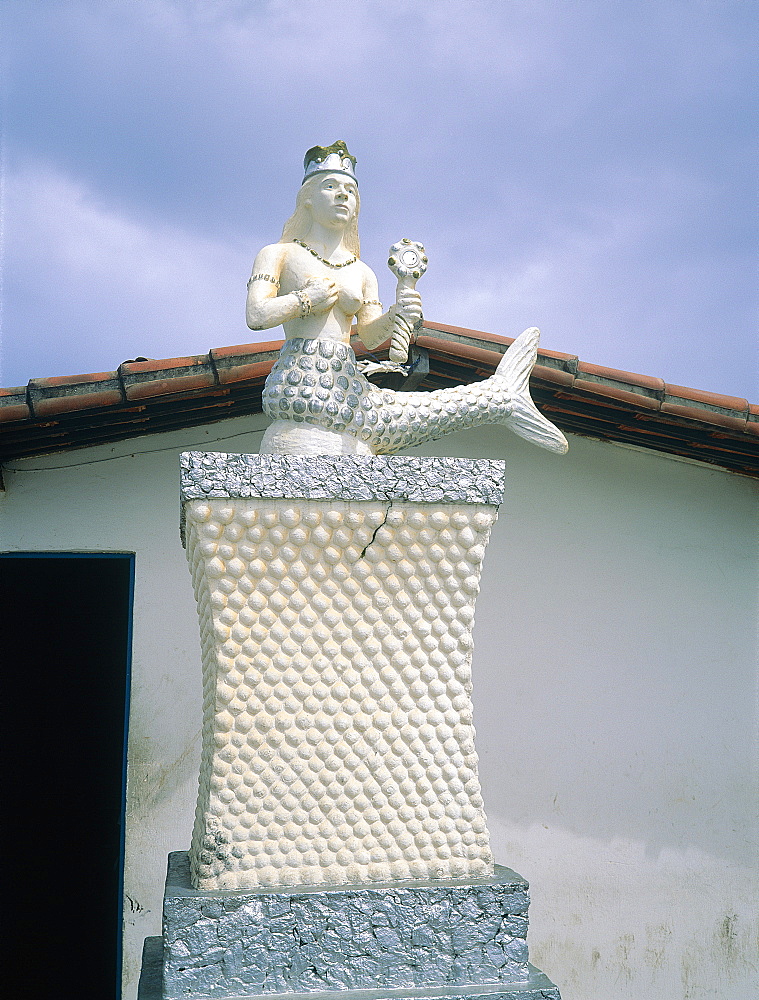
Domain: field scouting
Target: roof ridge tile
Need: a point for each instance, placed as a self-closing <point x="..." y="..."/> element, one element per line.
<point x="144" y="379"/>
<point x="709" y="400"/>
<point x="49" y="397"/>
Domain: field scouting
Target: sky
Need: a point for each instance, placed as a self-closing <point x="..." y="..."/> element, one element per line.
<point x="584" y="166"/>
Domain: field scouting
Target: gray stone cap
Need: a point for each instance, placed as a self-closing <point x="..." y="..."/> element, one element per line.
<point x="178" y="884"/>
<point x="341" y="477"/>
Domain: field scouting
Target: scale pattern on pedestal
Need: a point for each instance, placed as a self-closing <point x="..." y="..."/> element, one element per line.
<point x="338" y="743"/>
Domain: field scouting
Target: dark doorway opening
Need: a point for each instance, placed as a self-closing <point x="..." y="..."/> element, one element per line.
<point x="65" y="636"/>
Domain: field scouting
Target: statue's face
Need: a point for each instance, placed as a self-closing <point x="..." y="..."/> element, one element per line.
<point x="333" y="201"/>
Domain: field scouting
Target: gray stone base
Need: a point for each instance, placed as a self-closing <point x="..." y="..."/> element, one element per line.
<point x="149" y="987"/>
<point x="536" y="987"/>
<point x="379" y="941"/>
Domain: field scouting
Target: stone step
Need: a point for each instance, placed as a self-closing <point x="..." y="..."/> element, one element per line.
<point x="310" y="939"/>
<point x="537" y="986"/>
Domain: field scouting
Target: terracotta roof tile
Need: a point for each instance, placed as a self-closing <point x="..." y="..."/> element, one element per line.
<point x="708" y="398"/>
<point x="70" y="393"/>
<point x="553" y="375"/>
<point x="478" y="354"/>
<point x="615" y="375"/>
<point x="460" y="331"/>
<point x="236" y="350"/>
<point x="567" y="361"/>
<point x="570" y="360"/>
<point x="142" y="379"/>
<point x="62" y="381"/>
<point x="614" y="392"/>
<point x="244" y="361"/>
<point x="13" y="404"/>
<point x="705" y="416"/>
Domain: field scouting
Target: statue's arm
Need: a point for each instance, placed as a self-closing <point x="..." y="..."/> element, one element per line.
<point x="265" y="307"/>
<point x="372" y="325"/>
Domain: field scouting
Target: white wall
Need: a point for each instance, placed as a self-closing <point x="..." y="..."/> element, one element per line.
<point x="615" y="693"/>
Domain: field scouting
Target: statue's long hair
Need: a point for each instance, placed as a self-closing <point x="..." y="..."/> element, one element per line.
<point x="299" y="223"/>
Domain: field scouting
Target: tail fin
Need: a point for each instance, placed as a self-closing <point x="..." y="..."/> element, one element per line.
<point x="525" y="419"/>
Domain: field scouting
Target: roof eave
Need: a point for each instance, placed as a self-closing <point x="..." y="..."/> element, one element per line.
<point x="148" y="397"/>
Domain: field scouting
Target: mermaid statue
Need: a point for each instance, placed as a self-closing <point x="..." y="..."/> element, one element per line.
<point x="314" y="283"/>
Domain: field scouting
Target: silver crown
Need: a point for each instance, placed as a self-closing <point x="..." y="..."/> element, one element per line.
<point x="334" y="159"/>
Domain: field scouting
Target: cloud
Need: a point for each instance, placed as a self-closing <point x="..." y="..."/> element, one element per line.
<point x="88" y="287"/>
<point x="592" y="158"/>
<point x="636" y="280"/>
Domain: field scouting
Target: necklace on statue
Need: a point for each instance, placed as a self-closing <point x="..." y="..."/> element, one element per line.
<point x="345" y="263"/>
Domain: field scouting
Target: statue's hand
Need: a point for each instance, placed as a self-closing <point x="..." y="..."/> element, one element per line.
<point x="322" y="292"/>
<point x="408" y="305"/>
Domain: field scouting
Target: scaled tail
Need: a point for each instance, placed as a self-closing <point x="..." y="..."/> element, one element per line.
<point x="525" y="419"/>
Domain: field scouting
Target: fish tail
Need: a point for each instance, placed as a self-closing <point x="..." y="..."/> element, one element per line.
<point x="525" y="419"/>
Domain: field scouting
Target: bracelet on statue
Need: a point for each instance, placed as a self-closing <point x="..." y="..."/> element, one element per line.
<point x="372" y="302"/>
<point x="305" y="302"/>
<point x="264" y="277"/>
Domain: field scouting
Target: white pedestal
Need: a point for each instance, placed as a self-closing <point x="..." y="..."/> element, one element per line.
<point x="336" y="601"/>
